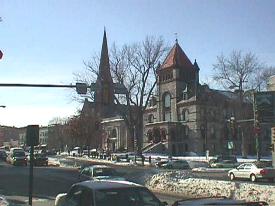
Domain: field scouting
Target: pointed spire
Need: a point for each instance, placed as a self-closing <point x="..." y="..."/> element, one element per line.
<point x="196" y="65"/>
<point x="104" y="66"/>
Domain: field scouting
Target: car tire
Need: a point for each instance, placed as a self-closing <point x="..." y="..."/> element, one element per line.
<point x="232" y="176"/>
<point x="253" y="178"/>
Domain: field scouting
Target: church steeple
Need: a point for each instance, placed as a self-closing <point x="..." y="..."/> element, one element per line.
<point x="104" y="66"/>
<point x="104" y="94"/>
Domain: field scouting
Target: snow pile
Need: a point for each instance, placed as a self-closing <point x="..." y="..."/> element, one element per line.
<point x="183" y="185"/>
<point x="3" y="201"/>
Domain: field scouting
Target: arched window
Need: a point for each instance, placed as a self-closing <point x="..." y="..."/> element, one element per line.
<point x="167" y="100"/>
<point x="184" y="115"/>
<point x="150" y="135"/>
<point x="166" y="106"/>
<point x="150" y="118"/>
<point x="114" y="133"/>
<point x="185" y="94"/>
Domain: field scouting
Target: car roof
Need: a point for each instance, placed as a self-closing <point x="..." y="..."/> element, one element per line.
<point x="98" y="166"/>
<point x="97" y="185"/>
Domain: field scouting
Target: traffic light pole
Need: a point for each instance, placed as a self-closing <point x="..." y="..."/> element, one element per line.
<point x="256" y="130"/>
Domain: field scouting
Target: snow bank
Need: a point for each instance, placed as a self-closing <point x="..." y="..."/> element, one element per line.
<point x="180" y="184"/>
<point x="3" y="201"/>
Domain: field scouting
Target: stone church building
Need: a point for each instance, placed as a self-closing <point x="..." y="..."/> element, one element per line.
<point x="183" y="117"/>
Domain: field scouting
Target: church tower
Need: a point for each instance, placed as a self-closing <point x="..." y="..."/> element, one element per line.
<point x="177" y="81"/>
<point x="104" y="93"/>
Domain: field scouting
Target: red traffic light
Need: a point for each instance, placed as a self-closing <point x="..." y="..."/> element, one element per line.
<point x="1" y="54"/>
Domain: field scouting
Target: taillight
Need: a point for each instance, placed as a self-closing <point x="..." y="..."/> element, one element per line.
<point x="263" y="172"/>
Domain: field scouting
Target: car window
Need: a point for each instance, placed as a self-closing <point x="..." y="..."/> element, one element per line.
<point x="103" y="172"/>
<point x="241" y="167"/>
<point x="125" y="197"/>
<point x="86" y="171"/>
<point x="247" y="166"/>
<point x="147" y="198"/>
<point x="74" y="197"/>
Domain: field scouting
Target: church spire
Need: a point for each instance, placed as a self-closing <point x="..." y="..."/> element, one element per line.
<point x="104" y="94"/>
<point x="104" y="66"/>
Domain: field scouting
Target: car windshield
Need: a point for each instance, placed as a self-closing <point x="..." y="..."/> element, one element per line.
<point x="125" y="197"/>
<point x="103" y="172"/>
<point x="19" y="154"/>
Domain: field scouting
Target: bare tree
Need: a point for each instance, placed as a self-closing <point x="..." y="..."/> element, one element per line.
<point x="135" y="66"/>
<point x="262" y="78"/>
<point x="238" y="71"/>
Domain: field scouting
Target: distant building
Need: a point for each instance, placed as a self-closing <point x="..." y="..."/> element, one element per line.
<point x="9" y="136"/>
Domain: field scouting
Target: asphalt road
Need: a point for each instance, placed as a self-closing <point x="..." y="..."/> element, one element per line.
<point x="48" y="182"/>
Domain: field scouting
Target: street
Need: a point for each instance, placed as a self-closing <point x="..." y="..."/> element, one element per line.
<point x="48" y="182"/>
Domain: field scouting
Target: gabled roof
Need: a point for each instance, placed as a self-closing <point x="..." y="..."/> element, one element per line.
<point x="177" y="58"/>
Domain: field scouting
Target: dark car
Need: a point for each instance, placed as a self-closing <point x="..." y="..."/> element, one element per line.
<point x="17" y="156"/>
<point x="99" y="172"/>
<point x="175" y="164"/>
<point x="107" y="193"/>
<point x="229" y="161"/>
<point x="40" y="159"/>
<point x="3" y="155"/>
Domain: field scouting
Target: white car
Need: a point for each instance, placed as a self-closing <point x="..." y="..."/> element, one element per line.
<point x="253" y="171"/>
<point x="75" y="152"/>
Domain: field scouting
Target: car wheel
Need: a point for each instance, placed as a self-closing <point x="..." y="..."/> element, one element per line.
<point x="253" y="178"/>
<point x="232" y="176"/>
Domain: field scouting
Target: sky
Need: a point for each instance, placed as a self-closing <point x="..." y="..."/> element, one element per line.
<point x="46" y="42"/>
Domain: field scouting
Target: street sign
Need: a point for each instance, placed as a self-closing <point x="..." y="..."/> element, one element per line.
<point x="32" y="135"/>
<point x="230" y="145"/>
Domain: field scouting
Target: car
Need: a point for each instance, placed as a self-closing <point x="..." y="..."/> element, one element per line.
<point x="253" y="171"/>
<point x="99" y="172"/>
<point x="108" y="193"/>
<point x="40" y="159"/>
<point x="75" y="152"/>
<point x="224" y="162"/>
<point x="3" y="155"/>
<point x="17" y="156"/>
<point x="175" y="164"/>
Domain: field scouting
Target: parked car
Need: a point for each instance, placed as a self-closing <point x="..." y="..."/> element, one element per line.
<point x="99" y="172"/>
<point x="17" y="156"/>
<point x="105" y="193"/>
<point x="75" y="152"/>
<point x="253" y="171"/>
<point x="3" y="155"/>
<point x="224" y="162"/>
<point x="175" y="164"/>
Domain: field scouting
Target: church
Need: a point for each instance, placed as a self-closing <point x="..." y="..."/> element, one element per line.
<point x="183" y="117"/>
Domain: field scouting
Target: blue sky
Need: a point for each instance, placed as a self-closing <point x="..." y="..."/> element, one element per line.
<point x="47" y="41"/>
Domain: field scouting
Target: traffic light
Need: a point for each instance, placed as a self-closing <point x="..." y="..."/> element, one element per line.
<point x="233" y="127"/>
